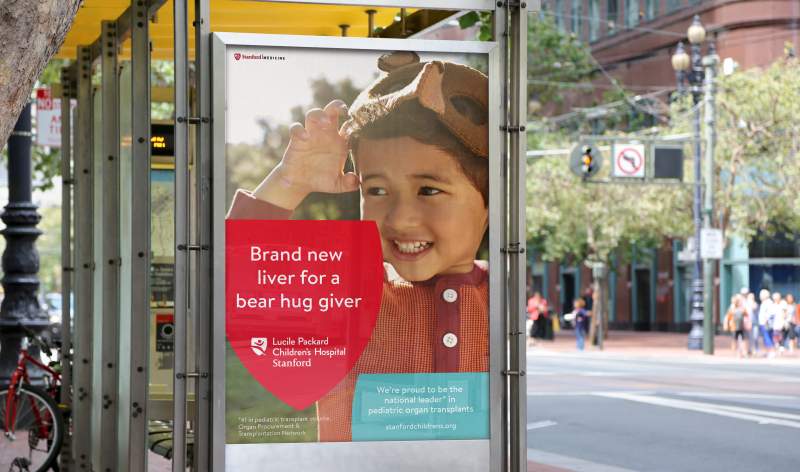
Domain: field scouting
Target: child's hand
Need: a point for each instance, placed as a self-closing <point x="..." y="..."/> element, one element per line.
<point x="313" y="161"/>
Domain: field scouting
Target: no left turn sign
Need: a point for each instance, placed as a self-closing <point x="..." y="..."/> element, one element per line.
<point x="629" y="160"/>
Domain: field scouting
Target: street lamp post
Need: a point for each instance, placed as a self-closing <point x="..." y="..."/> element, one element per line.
<point x="689" y="68"/>
<point x="20" y="307"/>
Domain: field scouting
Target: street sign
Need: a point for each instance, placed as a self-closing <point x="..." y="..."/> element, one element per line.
<point x="689" y="252"/>
<point x="48" y="118"/>
<point x="711" y="243"/>
<point x="629" y="160"/>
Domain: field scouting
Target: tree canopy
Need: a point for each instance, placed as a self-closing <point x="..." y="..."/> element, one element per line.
<point x="756" y="164"/>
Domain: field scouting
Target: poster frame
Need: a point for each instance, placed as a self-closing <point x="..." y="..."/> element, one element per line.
<point x="220" y="42"/>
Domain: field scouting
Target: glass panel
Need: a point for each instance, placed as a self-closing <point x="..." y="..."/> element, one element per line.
<point x="558" y="13"/>
<point x="594" y="19"/>
<point x="651" y="9"/>
<point x="576" y="15"/>
<point x="673" y="5"/>
<point x="631" y="13"/>
<point x="612" y="15"/>
<point x="161" y="282"/>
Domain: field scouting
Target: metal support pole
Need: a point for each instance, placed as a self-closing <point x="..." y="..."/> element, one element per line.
<point x="710" y="65"/>
<point x="181" y="49"/>
<point x="203" y="290"/>
<point x="696" y="317"/>
<point x="67" y="263"/>
<point x="84" y="263"/>
<point x="600" y="272"/>
<point x="20" y="306"/>
<point x="516" y="118"/>
<point x="140" y="238"/>
<point x="499" y="455"/>
<point x="108" y="265"/>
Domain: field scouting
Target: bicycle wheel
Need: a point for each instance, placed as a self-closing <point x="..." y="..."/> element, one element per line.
<point x="31" y="430"/>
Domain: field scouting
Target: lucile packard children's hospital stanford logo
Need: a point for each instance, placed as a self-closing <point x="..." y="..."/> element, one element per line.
<point x="302" y="300"/>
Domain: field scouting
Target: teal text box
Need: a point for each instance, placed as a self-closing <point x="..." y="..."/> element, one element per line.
<point x="405" y="407"/>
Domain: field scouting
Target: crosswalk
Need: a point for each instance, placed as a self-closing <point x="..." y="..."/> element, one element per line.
<point x="760" y="416"/>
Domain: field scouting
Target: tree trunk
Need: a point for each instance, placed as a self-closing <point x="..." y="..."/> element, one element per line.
<point x="600" y="302"/>
<point x="31" y="31"/>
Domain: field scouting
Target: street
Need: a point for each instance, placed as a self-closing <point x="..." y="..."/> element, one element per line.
<point x="660" y="410"/>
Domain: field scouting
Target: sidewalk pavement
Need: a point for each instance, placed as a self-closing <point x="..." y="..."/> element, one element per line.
<point x="652" y="344"/>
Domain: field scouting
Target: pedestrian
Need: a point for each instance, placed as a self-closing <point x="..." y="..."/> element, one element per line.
<point x="777" y="320"/>
<point x="764" y="322"/>
<point x="791" y="322"/>
<point x="581" y="322"/>
<point x="736" y="317"/>
<point x="751" y="306"/>
<point x="797" y="325"/>
<point x="536" y="308"/>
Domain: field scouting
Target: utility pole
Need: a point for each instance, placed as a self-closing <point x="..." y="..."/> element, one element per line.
<point x="710" y="63"/>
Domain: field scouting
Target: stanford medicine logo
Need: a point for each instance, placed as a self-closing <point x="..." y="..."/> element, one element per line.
<point x="258" y="345"/>
<point x="257" y="57"/>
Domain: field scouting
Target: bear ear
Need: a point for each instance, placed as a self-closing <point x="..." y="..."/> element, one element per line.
<point x="397" y="59"/>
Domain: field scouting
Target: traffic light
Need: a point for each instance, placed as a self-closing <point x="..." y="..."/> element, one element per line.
<point x="586" y="160"/>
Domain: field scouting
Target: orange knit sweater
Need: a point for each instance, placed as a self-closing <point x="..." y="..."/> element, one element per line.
<point x="410" y="329"/>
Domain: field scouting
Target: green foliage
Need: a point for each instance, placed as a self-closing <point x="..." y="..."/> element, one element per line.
<point x="49" y="247"/>
<point x="756" y="164"/>
<point x="558" y="62"/>
<point x="162" y="74"/>
<point x="482" y="19"/>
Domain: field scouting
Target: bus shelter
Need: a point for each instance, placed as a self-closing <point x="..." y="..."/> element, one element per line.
<point x="142" y="213"/>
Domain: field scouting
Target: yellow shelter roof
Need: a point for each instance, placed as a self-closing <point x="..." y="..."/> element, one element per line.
<point x="230" y="16"/>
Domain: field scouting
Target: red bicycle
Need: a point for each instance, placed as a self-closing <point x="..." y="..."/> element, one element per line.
<point x="31" y="421"/>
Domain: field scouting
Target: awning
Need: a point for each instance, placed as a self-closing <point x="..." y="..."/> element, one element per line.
<point x="228" y="15"/>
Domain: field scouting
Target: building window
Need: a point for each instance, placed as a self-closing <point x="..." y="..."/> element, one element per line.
<point x="631" y="13"/>
<point x="576" y="13"/>
<point x="558" y="13"/>
<point x="612" y="16"/>
<point x="594" y="20"/>
<point x="673" y="5"/>
<point x="651" y="9"/>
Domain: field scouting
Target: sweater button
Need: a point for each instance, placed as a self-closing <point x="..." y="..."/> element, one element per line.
<point x="450" y="340"/>
<point x="450" y="295"/>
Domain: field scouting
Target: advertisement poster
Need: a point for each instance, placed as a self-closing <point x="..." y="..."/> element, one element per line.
<point x="356" y="282"/>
